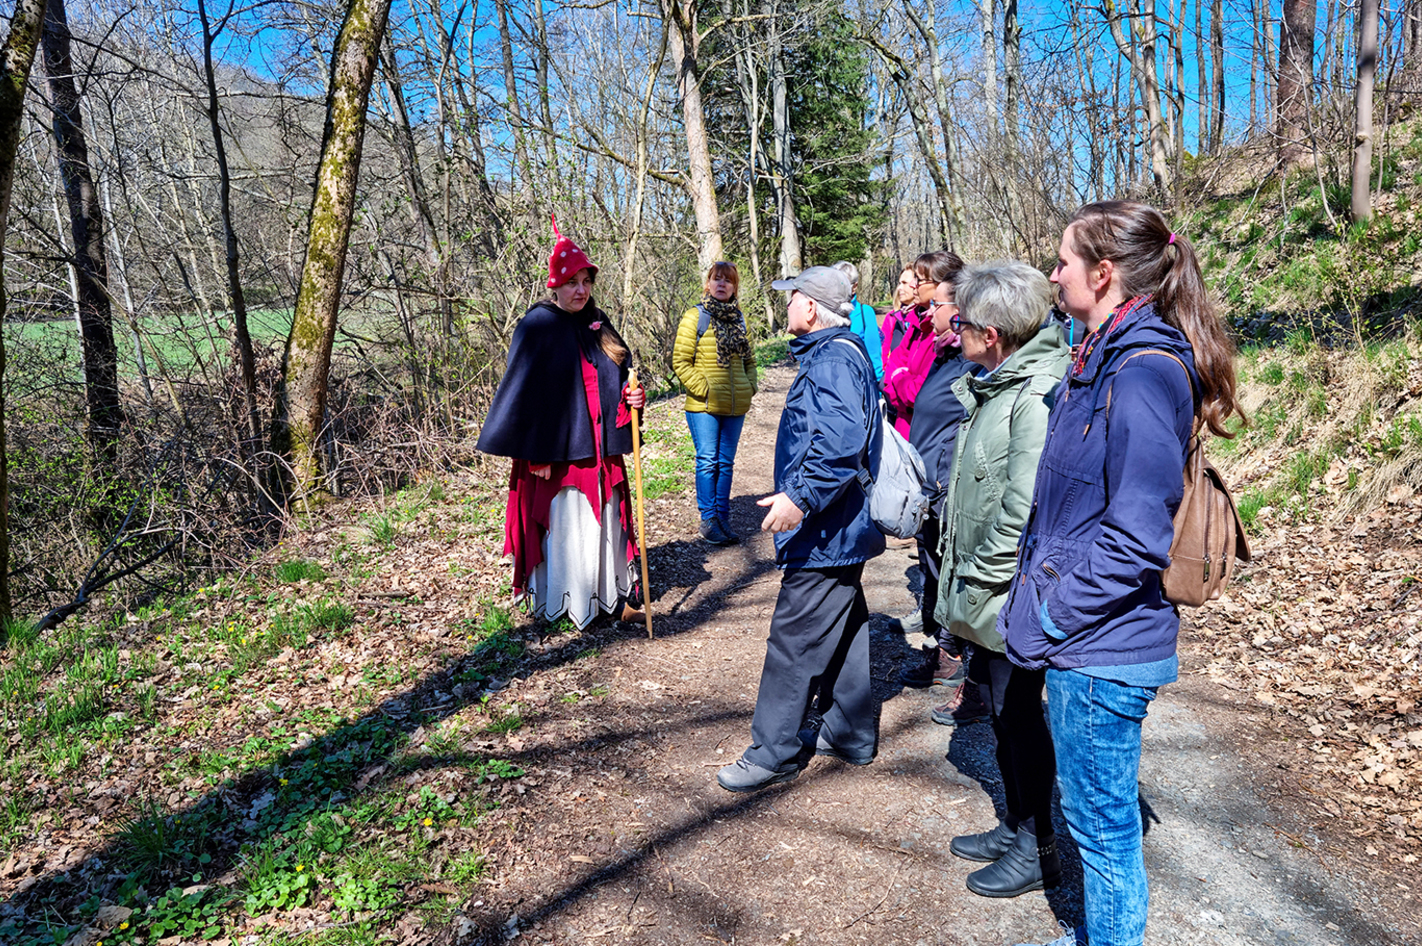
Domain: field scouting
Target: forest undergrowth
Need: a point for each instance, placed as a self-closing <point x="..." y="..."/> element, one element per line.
<point x="1322" y="628"/>
<point x="304" y="748"/>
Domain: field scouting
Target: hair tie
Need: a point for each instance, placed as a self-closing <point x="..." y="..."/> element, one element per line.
<point x="1171" y="241"/>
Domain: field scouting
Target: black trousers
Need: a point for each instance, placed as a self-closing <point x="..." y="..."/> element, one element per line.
<point x="1024" y="743"/>
<point x="930" y="565"/>
<point x="818" y="650"/>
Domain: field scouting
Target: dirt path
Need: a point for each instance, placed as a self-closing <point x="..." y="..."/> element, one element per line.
<point x="622" y="834"/>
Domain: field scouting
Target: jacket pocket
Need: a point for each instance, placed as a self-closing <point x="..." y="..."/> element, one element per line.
<point x="1022" y="622"/>
<point x="971" y="611"/>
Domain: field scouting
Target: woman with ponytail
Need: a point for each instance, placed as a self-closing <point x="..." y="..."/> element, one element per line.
<point x="1086" y="605"/>
<point x="714" y="361"/>
<point x="562" y="414"/>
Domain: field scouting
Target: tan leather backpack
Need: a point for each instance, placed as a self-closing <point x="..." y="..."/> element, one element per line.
<point x="1209" y="536"/>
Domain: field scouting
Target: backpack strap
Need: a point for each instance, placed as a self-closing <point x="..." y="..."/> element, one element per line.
<point x="1111" y="385"/>
<point x="703" y="320"/>
<point x="866" y="479"/>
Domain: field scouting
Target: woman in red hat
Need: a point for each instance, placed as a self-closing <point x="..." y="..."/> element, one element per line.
<point x="562" y="414"/>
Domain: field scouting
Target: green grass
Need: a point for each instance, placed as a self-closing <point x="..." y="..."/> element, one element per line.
<point x="382" y="530"/>
<point x="299" y="570"/>
<point x="772" y="351"/>
<point x="671" y="469"/>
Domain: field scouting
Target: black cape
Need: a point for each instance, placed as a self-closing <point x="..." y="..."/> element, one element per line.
<point x="539" y="413"/>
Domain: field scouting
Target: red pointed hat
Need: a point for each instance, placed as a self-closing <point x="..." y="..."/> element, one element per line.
<point x="566" y="259"/>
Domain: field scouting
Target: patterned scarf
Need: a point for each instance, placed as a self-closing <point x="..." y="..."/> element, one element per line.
<point x="730" y="326"/>
<point x="1122" y="312"/>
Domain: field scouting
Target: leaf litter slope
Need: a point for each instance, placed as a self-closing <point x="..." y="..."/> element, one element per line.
<point x="616" y="830"/>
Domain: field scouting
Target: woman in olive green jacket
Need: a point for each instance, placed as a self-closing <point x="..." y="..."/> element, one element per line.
<point x="1004" y="328"/>
<point x="714" y="360"/>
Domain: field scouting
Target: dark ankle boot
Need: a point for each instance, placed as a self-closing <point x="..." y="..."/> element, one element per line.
<point x="987" y="846"/>
<point x="1019" y="870"/>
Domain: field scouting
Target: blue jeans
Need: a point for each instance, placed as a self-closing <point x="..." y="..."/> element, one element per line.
<point x="715" y="437"/>
<point x="1096" y="730"/>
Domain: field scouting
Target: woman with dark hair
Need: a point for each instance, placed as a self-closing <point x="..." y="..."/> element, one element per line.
<point x="561" y="413"/>
<point x="1087" y="605"/>
<point x="714" y="362"/>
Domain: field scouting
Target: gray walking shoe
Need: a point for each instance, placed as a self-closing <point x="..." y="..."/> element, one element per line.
<point x="815" y="742"/>
<point x="985" y="847"/>
<point x="743" y="776"/>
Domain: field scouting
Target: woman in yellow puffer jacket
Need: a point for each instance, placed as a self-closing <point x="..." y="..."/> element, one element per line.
<point x="714" y="360"/>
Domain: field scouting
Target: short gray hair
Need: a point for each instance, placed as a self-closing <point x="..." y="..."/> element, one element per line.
<point x="850" y="270"/>
<point x="827" y="317"/>
<point x="1008" y="295"/>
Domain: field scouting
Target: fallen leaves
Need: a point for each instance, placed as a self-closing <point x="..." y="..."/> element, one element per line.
<point x="1315" y="630"/>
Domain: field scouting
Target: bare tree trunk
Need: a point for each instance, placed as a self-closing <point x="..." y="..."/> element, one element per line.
<point x="524" y="171"/>
<point x="928" y="28"/>
<point x="1012" y="73"/>
<point x="791" y="261"/>
<point x="493" y="236"/>
<point x="251" y="445"/>
<point x="1217" y="100"/>
<point x="642" y="158"/>
<point x="301" y="406"/>
<point x="1143" y="65"/>
<point x="540" y="75"/>
<point x="987" y="12"/>
<point x="1295" y="82"/>
<point x="409" y="159"/>
<point x="1172" y="124"/>
<point x="1202" y="84"/>
<point x="1177" y="85"/>
<point x="680" y="17"/>
<point x="1256" y="57"/>
<point x="1363" y="146"/>
<point x="903" y="75"/>
<point x="17" y="57"/>
<point x="748" y="82"/>
<point x="1411" y="76"/>
<point x="87" y="226"/>
<point x="1096" y="172"/>
<point x="121" y="271"/>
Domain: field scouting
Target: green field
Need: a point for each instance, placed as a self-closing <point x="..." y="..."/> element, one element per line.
<point x="178" y="341"/>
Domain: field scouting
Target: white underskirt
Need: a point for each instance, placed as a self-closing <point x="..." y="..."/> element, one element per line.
<point x="585" y="568"/>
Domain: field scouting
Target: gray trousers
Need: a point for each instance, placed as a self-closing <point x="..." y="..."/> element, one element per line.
<point x="818" y="650"/>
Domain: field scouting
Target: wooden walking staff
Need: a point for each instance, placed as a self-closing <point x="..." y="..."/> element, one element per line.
<point x="632" y="385"/>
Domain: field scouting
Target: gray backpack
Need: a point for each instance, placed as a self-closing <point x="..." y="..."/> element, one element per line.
<point x="898" y="494"/>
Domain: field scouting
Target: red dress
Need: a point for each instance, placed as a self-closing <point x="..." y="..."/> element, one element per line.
<point x="570" y="535"/>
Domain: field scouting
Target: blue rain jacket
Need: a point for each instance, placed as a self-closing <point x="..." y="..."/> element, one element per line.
<point x="829" y="431"/>
<point x="1108" y="486"/>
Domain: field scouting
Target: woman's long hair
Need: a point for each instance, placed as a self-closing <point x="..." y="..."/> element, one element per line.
<point x="608" y="339"/>
<point x="1150" y="258"/>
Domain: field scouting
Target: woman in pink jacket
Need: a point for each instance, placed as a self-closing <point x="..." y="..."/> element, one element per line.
<point x="908" y="342"/>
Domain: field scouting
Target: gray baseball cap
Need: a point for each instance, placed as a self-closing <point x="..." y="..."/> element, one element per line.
<point x="825" y="284"/>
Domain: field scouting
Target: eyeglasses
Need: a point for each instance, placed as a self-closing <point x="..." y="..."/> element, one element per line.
<point x="935" y="304"/>
<point x="957" y="322"/>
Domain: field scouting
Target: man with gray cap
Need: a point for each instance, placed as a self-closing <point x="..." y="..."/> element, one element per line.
<point x="819" y="635"/>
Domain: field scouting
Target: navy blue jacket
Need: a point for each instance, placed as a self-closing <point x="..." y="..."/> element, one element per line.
<point x="936" y="415"/>
<point x="830" y="429"/>
<point x="1108" y="486"/>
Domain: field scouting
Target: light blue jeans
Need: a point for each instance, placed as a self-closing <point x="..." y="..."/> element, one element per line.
<point x="1096" y="730"/>
<point x="716" y="437"/>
